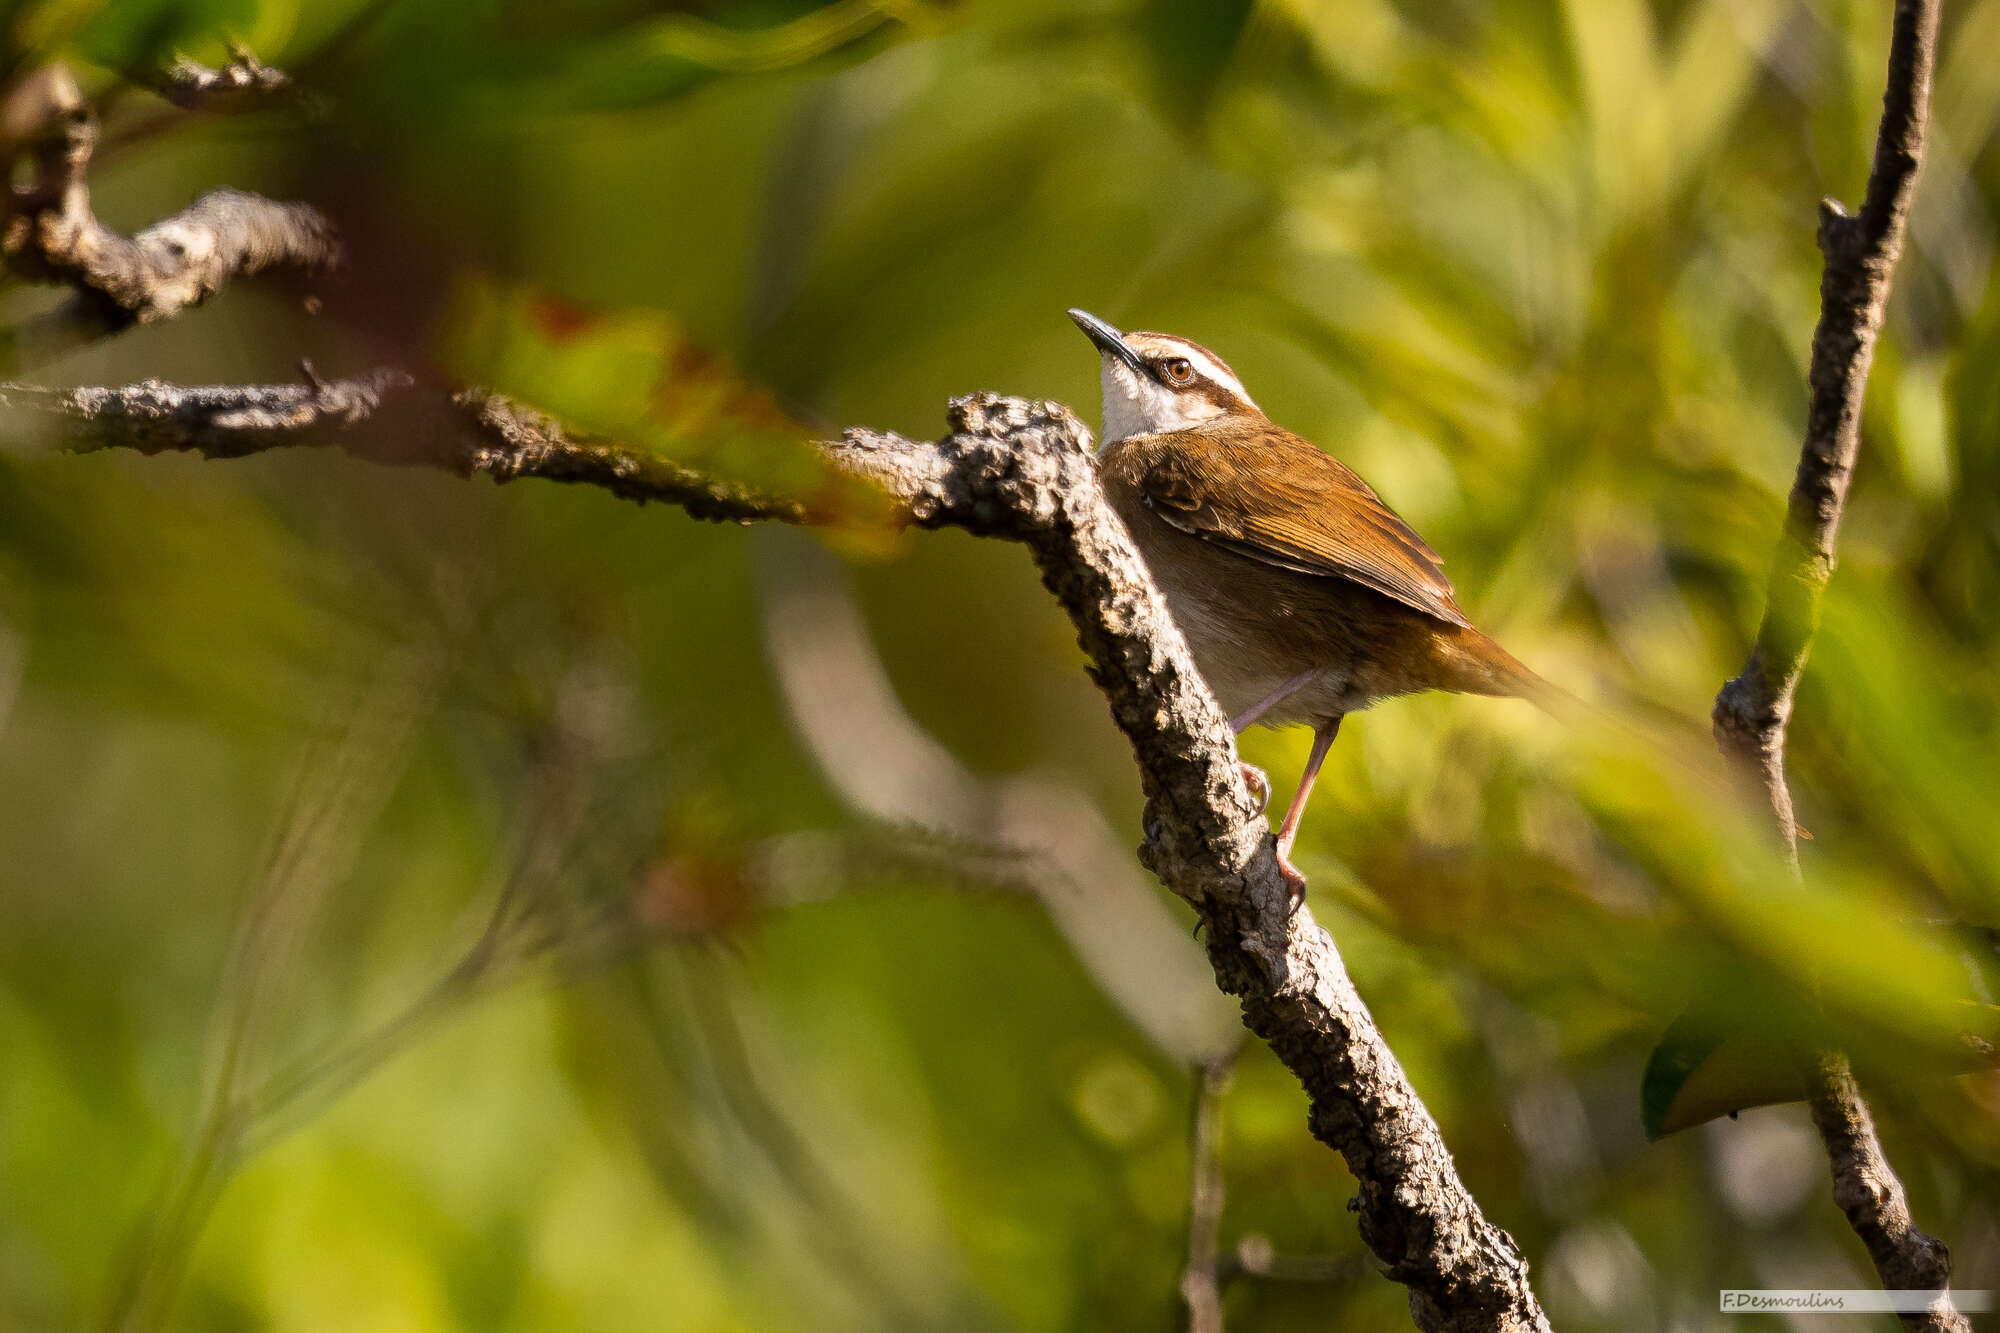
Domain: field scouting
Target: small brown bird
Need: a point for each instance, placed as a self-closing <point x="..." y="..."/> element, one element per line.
<point x="1301" y="594"/>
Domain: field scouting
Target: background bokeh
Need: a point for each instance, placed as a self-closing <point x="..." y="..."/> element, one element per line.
<point x="428" y="905"/>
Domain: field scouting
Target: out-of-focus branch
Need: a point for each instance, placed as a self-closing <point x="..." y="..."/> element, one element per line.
<point x="1753" y="710"/>
<point x="335" y="802"/>
<point x="1022" y="471"/>
<point x="51" y="234"/>
<point x="1209" y="1270"/>
<point x="245" y="81"/>
<point x="1201" y="1281"/>
<point x="1057" y="844"/>
<point x="386" y="416"/>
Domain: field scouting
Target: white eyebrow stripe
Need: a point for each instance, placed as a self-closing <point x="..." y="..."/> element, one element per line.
<point x="1216" y="371"/>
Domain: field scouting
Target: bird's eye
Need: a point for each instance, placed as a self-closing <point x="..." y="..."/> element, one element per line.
<point x="1178" y="370"/>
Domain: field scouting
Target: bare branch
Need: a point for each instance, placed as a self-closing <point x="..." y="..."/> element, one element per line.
<point x="1065" y="852"/>
<point x="1022" y="471"/>
<point x="1868" y="1191"/>
<point x="52" y="235"/>
<point x="386" y="417"/>
<point x="1201" y="1282"/>
<point x="245" y="81"/>
<point x="1753" y="710"/>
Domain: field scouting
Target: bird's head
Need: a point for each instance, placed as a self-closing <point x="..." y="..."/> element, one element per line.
<point x="1155" y="382"/>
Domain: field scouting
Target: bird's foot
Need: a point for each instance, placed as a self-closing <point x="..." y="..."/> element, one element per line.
<point x="1295" y="882"/>
<point x="1259" y="785"/>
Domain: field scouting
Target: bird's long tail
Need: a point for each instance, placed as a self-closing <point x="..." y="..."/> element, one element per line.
<point x="1484" y="667"/>
<point x="1487" y="668"/>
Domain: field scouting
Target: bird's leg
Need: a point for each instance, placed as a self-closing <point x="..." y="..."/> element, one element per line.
<point x="1244" y="720"/>
<point x="1322" y="742"/>
<point x="1253" y="776"/>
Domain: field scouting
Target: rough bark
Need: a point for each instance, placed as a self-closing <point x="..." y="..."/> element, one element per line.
<point x="1754" y="709"/>
<point x="52" y="235"/>
<point x="387" y="416"/>
<point x="1868" y="1191"/>
<point x="1023" y="471"/>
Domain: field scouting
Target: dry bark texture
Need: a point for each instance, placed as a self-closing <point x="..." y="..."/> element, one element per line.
<point x="387" y="416"/>
<point x="51" y="233"/>
<point x="1754" y="709"/>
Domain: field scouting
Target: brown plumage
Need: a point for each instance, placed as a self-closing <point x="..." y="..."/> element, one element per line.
<point x="1302" y="595"/>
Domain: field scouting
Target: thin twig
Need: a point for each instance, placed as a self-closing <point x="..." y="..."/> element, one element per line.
<point x="1254" y="1257"/>
<point x="1861" y="250"/>
<point x="1201" y="1281"/>
<point x="1753" y="710"/>
<point x="244" y="82"/>
<point x="334" y="803"/>
<point x="845" y="708"/>
<point x="386" y="416"/>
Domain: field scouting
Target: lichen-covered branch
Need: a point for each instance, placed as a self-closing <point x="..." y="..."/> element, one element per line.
<point x="51" y="234"/>
<point x="1022" y="471"/>
<point x="1754" y="709"/>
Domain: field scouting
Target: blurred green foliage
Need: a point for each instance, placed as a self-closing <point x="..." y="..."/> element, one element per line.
<point x="423" y="910"/>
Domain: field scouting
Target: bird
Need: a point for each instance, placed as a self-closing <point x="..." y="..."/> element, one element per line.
<point x="1301" y="594"/>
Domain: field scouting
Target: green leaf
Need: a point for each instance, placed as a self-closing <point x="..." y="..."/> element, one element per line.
<point x="636" y="376"/>
<point x="1700" y="1071"/>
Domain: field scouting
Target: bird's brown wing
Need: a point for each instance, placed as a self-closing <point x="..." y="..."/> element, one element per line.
<point x="1266" y="494"/>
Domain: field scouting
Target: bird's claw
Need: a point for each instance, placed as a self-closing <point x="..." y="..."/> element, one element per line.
<point x="1259" y="785"/>
<point x="1295" y="883"/>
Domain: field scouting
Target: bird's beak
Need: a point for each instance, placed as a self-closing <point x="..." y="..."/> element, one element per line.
<point x="1109" y="340"/>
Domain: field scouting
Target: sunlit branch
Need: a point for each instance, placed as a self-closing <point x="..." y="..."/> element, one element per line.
<point x="52" y="235"/>
<point x="1754" y="709"/>
<point x="244" y="81"/>
<point x="387" y="416"/>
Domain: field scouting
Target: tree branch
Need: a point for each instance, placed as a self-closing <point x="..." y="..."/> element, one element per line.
<point x="1201" y="1281"/>
<point x="387" y="416"/>
<point x="1753" y="710"/>
<point x="1022" y="471"/>
<point x="52" y="235"/>
<point x="244" y="81"/>
<point x="1868" y="1191"/>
